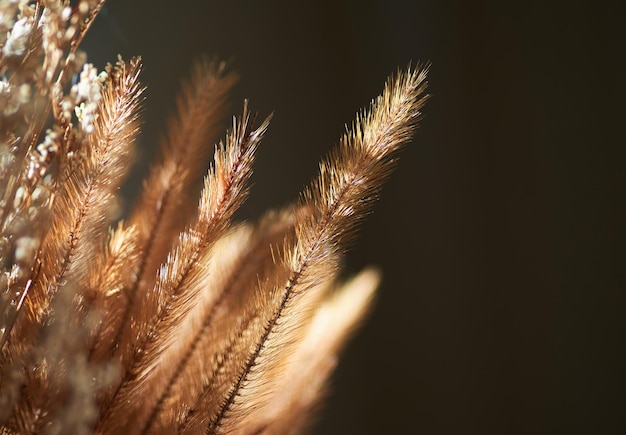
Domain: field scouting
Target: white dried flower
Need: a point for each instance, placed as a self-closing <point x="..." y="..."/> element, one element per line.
<point x="16" y="42"/>
<point x="10" y="99"/>
<point x="24" y="248"/>
<point x="86" y="94"/>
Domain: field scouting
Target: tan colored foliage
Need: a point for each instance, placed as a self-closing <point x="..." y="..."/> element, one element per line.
<point x="175" y="320"/>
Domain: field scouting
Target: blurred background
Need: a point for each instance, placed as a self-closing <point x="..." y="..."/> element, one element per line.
<point x="499" y="233"/>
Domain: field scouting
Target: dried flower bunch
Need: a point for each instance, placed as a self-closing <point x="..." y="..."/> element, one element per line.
<point x="174" y="320"/>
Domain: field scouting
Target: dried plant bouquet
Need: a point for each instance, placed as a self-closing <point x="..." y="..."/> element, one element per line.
<point x="176" y="319"/>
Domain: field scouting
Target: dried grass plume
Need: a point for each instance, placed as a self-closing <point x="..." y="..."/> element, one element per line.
<point x="176" y="319"/>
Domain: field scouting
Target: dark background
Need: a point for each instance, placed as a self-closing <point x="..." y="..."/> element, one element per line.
<point x="499" y="233"/>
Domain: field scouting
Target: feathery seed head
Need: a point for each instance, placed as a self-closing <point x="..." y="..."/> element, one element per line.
<point x="175" y="320"/>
